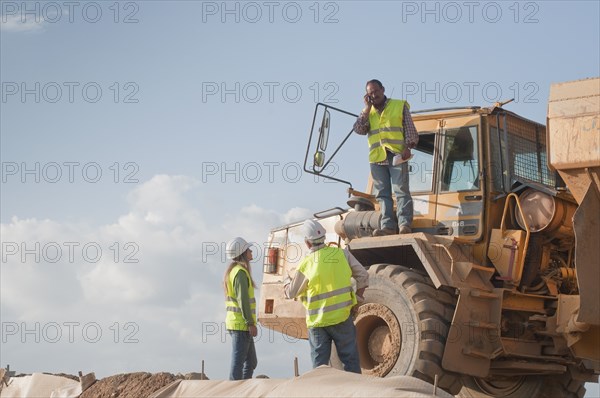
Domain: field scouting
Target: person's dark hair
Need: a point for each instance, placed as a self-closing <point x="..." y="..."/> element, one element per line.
<point x="374" y="81"/>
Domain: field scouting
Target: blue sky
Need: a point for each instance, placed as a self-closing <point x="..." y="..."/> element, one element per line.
<point x="196" y="115"/>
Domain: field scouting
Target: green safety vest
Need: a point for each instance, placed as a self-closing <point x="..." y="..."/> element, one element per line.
<point x="386" y="131"/>
<point x="234" y="319"/>
<point x="329" y="295"/>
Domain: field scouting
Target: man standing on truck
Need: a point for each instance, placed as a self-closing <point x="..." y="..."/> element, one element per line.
<point x="323" y="282"/>
<point x="391" y="135"/>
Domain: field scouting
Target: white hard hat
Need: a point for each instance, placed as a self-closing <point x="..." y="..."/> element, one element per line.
<point x="313" y="230"/>
<point x="236" y="247"/>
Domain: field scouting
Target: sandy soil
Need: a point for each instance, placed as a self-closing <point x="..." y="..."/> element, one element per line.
<point x="133" y="385"/>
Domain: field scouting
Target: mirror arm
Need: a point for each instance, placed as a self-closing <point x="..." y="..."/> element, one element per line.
<point x="310" y="139"/>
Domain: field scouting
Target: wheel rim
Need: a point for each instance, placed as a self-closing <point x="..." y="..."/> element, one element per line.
<point x="378" y="338"/>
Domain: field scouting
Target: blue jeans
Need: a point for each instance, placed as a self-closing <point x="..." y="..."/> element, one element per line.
<point x="393" y="178"/>
<point x="243" y="356"/>
<point x="344" y="336"/>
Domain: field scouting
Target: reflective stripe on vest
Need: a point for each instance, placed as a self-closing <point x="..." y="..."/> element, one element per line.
<point x="387" y="130"/>
<point x="234" y="319"/>
<point x="329" y="295"/>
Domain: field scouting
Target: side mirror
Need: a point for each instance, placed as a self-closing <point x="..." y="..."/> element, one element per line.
<point x="324" y="131"/>
<point x="319" y="158"/>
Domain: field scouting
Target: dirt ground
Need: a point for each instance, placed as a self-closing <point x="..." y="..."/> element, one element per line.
<point x="130" y="385"/>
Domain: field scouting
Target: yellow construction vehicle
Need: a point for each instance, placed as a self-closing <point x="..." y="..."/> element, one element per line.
<point x="497" y="289"/>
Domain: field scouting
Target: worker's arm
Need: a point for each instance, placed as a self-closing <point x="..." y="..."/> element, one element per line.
<point x="359" y="273"/>
<point x="240" y="285"/>
<point x="411" y="137"/>
<point x="362" y="125"/>
<point x="294" y="287"/>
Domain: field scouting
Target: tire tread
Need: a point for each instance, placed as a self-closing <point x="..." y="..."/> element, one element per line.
<point x="434" y="309"/>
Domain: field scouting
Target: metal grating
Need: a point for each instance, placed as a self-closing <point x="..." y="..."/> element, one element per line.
<point x="527" y="152"/>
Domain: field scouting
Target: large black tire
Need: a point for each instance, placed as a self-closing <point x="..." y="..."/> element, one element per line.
<point x="556" y="386"/>
<point x="505" y="387"/>
<point x="403" y="325"/>
<point x="562" y="386"/>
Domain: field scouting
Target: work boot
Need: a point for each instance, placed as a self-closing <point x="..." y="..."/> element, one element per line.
<point x="405" y="230"/>
<point x="384" y="232"/>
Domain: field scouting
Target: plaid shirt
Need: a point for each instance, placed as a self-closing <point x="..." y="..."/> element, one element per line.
<point x="411" y="137"/>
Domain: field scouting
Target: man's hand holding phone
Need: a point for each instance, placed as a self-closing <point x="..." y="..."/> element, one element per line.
<point x="368" y="103"/>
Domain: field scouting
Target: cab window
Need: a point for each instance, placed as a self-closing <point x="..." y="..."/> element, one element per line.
<point x="460" y="171"/>
<point x="421" y="165"/>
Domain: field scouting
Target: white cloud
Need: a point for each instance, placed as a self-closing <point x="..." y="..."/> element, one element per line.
<point x="171" y="297"/>
<point x="255" y="222"/>
<point x="14" y="23"/>
<point x="296" y="214"/>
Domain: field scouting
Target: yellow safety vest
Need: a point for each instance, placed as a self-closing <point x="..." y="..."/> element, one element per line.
<point x="386" y="130"/>
<point x="329" y="295"/>
<point x="234" y="319"/>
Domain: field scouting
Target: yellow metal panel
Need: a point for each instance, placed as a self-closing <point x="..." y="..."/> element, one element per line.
<point x="506" y="251"/>
<point x="517" y="301"/>
<point x="474" y="336"/>
<point x="587" y="255"/>
<point x="588" y="346"/>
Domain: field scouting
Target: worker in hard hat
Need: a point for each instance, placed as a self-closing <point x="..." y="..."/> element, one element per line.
<point x="241" y="309"/>
<point x="323" y="282"/>
<point x="391" y="135"/>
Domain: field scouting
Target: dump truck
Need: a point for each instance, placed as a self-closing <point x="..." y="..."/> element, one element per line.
<point x="496" y="292"/>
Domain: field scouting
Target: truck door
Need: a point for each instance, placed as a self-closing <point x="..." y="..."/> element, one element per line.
<point x="459" y="193"/>
<point x="422" y="176"/>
